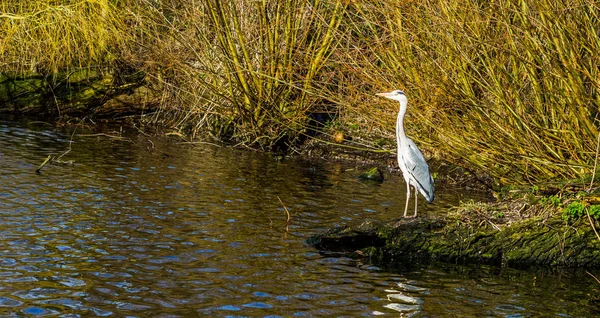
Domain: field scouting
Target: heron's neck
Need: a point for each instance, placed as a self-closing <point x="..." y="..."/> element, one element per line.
<point x="400" y="135"/>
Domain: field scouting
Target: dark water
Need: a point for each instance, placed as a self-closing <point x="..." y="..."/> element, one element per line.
<point x="145" y="227"/>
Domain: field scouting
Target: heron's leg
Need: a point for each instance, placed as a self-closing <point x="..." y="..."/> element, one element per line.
<point x="416" y="197"/>
<point x="407" y="197"/>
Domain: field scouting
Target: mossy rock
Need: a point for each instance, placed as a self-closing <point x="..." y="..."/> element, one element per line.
<point x="372" y="174"/>
<point x="531" y="242"/>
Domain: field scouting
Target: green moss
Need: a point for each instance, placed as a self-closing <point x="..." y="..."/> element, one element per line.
<point x="551" y="201"/>
<point x="372" y="174"/>
<point x="594" y="211"/>
<point x="576" y="209"/>
<point x="385" y="232"/>
<point x="353" y="126"/>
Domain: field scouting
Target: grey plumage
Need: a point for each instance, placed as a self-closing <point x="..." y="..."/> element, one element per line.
<point x="418" y="170"/>
<point x="410" y="159"/>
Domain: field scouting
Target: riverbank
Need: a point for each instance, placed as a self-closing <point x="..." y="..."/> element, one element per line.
<point x="528" y="226"/>
<point x="299" y="78"/>
<point x="267" y="75"/>
<point x="145" y="214"/>
<point x="557" y="229"/>
<point x="537" y="237"/>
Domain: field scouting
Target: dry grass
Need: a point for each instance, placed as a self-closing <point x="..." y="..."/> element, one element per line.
<point x="503" y="214"/>
<point x="45" y="37"/>
<point x="509" y="87"/>
<point x="506" y="87"/>
<point x="247" y="70"/>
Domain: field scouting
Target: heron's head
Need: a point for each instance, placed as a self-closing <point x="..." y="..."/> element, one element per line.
<point x="395" y="95"/>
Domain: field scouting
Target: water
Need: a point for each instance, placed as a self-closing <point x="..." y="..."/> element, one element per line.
<point x="146" y="227"/>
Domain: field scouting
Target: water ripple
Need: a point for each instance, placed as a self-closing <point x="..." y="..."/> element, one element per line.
<point x="9" y="302"/>
<point x="182" y="230"/>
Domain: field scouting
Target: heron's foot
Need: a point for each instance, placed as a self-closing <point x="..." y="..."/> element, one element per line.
<point x="411" y="216"/>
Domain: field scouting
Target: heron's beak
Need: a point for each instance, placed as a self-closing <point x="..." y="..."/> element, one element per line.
<point x="386" y="95"/>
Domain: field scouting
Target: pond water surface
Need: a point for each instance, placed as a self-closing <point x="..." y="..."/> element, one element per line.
<point x="147" y="227"/>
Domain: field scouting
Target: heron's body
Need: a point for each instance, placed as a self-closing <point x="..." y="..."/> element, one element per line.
<point x="410" y="159"/>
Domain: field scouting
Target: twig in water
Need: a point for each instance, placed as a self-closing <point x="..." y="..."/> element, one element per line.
<point x="289" y="217"/>
<point x="178" y="134"/>
<point x="57" y="159"/>
<point x="53" y="159"/>
<point x="44" y="163"/>
<point x="105" y="135"/>
<point x="203" y="142"/>
<point x="595" y="163"/>
<point x="151" y="147"/>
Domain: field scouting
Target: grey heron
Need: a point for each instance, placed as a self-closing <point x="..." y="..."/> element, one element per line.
<point x="410" y="159"/>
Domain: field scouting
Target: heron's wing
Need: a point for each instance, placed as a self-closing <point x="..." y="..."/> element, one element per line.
<point x="418" y="169"/>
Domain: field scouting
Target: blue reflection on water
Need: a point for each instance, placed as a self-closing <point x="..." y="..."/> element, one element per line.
<point x="128" y="232"/>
